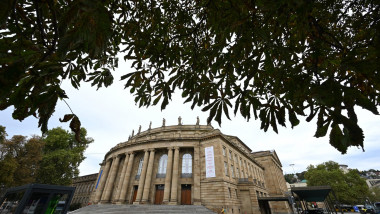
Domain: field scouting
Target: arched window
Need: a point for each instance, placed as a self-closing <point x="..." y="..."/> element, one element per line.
<point x="186" y="164"/>
<point x="140" y="168"/>
<point x="162" y="164"/>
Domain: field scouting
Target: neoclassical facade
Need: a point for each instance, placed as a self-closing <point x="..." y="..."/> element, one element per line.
<point x="84" y="186"/>
<point x="184" y="164"/>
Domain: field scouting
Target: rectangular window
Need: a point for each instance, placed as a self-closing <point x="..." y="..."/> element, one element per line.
<point x="224" y="151"/>
<point x="226" y="168"/>
<point x="230" y="155"/>
<point x="236" y="193"/>
<point x="229" y="192"/>
<point x="237" y="173"/>
<point x="232" y="171"/>
<point x="236" y="159"/>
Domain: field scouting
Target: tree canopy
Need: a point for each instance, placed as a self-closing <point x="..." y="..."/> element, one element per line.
<point x="51" y="159"/>
<point x="275" y="61"/>
<point x="349" y="187"/>
<point x="62" y="155"/>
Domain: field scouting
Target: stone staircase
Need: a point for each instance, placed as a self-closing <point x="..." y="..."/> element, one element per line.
<point x="122" y="209"/>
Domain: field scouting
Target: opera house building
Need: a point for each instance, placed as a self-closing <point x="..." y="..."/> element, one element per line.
<point x="191" y="165"/>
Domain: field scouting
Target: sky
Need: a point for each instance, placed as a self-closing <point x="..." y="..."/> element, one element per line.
<point x="110" y="115"/>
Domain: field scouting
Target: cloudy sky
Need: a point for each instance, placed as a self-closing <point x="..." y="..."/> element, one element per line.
<point x="110" y="115"/>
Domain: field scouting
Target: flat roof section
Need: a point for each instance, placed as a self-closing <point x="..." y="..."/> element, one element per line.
<point x="313" y="193"/>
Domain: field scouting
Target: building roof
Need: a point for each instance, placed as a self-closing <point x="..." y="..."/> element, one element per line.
<point x="313" y="193"/>
<point x="267" y="153"/>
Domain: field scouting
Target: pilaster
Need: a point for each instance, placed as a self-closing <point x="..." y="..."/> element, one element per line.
<point x="109" y="186"/>
<point x="168" y="176"/>
<point x="148" y="177"/>
<point x="173" y="194"/>
<point x="121" y="180"/>
<point x="124" y="188"/>
<point x="197" y="176"/>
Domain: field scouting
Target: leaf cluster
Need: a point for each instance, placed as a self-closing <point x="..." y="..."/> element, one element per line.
<point x="42" y="43"/>
<point x="274" y="61"/>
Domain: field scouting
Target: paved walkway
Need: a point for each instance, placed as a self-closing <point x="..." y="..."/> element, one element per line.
<point x="142" y="209"/>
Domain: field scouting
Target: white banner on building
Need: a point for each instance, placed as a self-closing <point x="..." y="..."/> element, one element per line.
<point x="210" y="163"/>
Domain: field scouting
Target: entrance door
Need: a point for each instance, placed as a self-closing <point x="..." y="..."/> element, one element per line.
<point x="186" y="194"/>
<point x="264" y="207"/>
<point x="135" y="188"/>
<point x="159" y="194"/>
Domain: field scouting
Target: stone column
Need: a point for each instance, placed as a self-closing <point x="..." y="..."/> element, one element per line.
<point x="148" y="178"/>
<point x="168" y="176"/>
<point x="109" y="187"/>
<point x="245" y="168"/>
<point x="121" y="180"/>
<point x="197" y="176"/>
<point x="241" y="174"/>
<point x="102" y="182"/>
<point x="256" y="174"/>
<point x="173" y="194"/>
<point x="142" y="178"/>
<point x="102" y="200"/>
<point x="236" y="165"/>
<point x="124" y="188"/>
<point x="229" y="164"/>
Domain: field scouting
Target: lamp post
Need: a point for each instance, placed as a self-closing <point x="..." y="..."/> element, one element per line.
<point x="292" y="165"/>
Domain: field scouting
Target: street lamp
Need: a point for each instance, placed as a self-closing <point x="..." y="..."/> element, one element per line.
<point x="292" y="165"/>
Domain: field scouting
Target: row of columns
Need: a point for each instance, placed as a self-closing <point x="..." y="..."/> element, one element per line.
<point x="108" y="178"/>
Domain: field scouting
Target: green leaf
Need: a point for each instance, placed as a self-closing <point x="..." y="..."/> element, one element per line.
<point x="273" y="122"/>
<point x="293" y="118"/>
<point x="225" y="109"/>
<point x="218" y="117"/>
<point x="75" y="127"/>
<point x="280" y="114"/>
<point x="365" y="103"/>
<point x="66" y="118"/>
<point x="336" y="139"/>
<point x="5" y="9"/>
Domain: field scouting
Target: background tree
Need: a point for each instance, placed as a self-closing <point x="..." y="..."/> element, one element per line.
<point x="268" y="60"/>
<point x="290" y="178"/>
<point x="29" y="161"/>
<point x="349" y="187"/>
<point x="301" y="175"/>
<point x="62" y="155"/>
<point x="52" y="159"/>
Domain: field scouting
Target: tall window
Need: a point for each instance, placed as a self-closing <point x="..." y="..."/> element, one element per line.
<point x="224" y="151"/>
<point x="230" y="155"/>
<point x="162" y="164"/>
<point x="226" y="168"/>
<point x="140" y="166"/>
<point x="187" y="164"/>
<point x="232" y="171"/>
